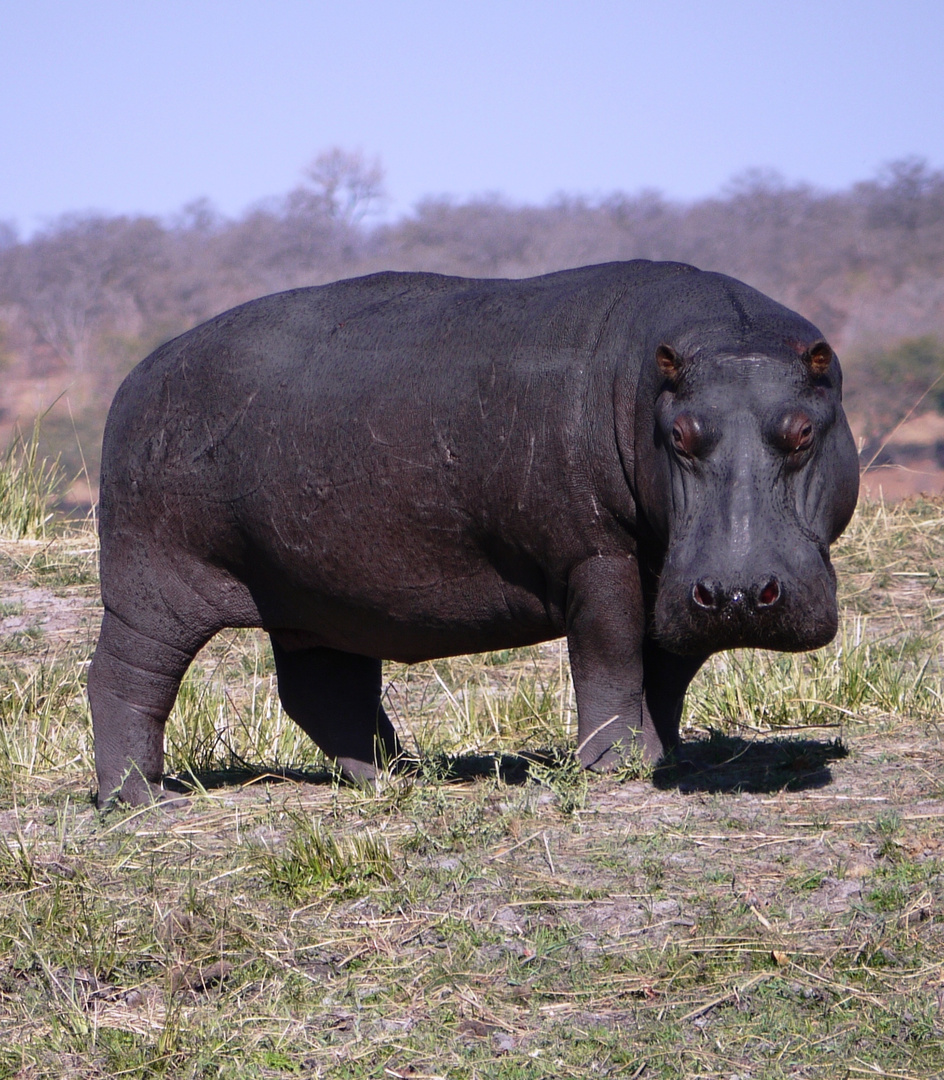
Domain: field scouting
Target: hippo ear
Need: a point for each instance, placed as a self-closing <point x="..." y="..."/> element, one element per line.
<point x="818" y="357"/>
<point x="669" y="363"/>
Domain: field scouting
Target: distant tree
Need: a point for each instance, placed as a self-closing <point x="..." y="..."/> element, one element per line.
<point x="906" y="195"/>
<point x="83" y="275"/>
<point x="61" y="283"/>
<point x="345" y="184"/>
<point x="483" y="236"/>
<point x="200" y="216"/>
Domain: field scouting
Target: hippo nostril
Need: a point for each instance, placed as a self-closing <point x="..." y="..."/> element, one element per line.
<point x="710" y="595"/>
<point x="704" y="595"/>
<point x="769" y="594"/>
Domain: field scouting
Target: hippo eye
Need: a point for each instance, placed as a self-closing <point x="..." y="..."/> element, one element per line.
<point x="686" y="435"/>
<point x="795" y="433"/>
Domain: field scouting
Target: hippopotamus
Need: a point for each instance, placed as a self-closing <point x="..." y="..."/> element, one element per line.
<point x="649" y="459"/>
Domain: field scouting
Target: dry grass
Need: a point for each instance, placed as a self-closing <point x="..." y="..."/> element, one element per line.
<point x="773" y="912"/>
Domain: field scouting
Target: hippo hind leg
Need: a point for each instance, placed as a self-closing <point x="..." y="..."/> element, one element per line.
<point x="132" y="685"/>
<point x="334" y="697"/>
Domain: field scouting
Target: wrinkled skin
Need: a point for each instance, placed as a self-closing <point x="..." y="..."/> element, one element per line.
<point x="646" y="458"/>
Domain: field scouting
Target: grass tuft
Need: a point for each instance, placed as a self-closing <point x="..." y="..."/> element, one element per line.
<point x="311" y="862"/>
<point x="28" y="486"/>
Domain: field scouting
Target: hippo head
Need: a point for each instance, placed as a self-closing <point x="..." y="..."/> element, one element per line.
<point x="757" y="474"/>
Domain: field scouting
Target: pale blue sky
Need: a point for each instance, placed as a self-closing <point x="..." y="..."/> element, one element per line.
<point x="144" y="105"/>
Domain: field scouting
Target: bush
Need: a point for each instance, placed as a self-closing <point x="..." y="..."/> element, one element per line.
<point x="888" y="385"/>
<point x="909" y="369"/>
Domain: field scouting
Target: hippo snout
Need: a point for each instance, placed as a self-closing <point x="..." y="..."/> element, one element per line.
<point x="703" y="612"/>
<point x="711" y="595"/>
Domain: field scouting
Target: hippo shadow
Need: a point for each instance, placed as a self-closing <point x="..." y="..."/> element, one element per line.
<point x="729" y="763"/>
<point x="714" y="763"/>
<point x="512" y="769"/>
<point x="243" y="775"/>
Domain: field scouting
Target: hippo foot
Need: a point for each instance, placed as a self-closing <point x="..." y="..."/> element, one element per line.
<point x="143" y="793"/>
<point x="368" y="774"/>
<point x="634" y="760"/>
<point x="607" y="762"/>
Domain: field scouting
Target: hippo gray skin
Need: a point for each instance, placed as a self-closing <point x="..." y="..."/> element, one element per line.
<point x="649" y="459"/>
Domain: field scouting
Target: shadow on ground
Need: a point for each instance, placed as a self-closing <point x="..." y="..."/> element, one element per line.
<point x="716" y="763"/>
<point x="438" y="768"/>
<point x="244" y="776"/>
<point x="719" y="763"/>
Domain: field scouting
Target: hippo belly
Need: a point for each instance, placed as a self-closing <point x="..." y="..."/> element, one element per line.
<point x="410" y="623"/>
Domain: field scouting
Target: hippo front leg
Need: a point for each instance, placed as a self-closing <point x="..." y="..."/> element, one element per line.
<point x="605" y="633"/>
<point x="666" y="677"/>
